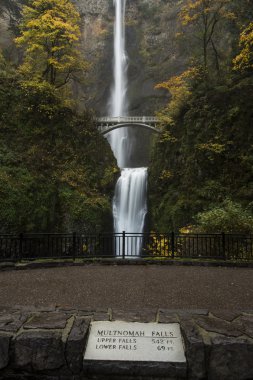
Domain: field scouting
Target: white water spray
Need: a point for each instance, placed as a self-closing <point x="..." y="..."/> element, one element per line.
<point x="129" y="203"/>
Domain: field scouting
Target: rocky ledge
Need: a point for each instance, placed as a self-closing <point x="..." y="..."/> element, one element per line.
<point x="49" y="343"/>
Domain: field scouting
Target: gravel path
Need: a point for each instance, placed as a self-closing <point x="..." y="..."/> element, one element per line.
<point x="130" y="287"/>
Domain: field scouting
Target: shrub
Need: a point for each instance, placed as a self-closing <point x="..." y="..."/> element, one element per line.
<point x="230" y="217"/>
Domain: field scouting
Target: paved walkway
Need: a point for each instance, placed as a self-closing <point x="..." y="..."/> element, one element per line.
<point x="130" y="287"/>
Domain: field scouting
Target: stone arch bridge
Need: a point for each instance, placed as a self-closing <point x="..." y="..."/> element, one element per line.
<point x="109" y="124"/>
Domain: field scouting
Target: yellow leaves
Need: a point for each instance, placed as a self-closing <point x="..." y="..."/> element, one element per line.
<point x="50" y="34"/>
<point x="74" y="177"/>
<point x="173" y="83"/>
<point x="195" y="10"/>
<point x="230" y="15"/>
<point x="177" y="86"/>
<point x="34" y="47"/>
<point x="165" y="175"/>
<point x="190" y="12"/>
<point x="212" y="147"/>
<point x="186" y="19"/>
<point x="180" y="90"/>
<point x="166" y="135"/>
<point x="244" y="60"/>
<point x="177" y="82"/>
<point x="165" y="119"/>
<point x="186" y="230"/>
<point x="159" y="246"/>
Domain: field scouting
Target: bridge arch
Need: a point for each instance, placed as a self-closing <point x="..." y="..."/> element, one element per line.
<point x="109" y="124"/>
<point x="105" y="130"/>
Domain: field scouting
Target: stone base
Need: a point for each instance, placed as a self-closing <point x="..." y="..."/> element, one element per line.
<point x="49" y="344"/>
<point x="135" y="370"/>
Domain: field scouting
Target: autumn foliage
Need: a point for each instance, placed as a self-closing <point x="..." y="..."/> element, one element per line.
<point x="50" y="34"/>
<point x="201" y="172"/>
<point x="244" y="60"/>
<point x="205" y="16"/>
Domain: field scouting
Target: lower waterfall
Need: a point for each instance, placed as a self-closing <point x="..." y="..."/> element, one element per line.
<point x="130" y="208"/>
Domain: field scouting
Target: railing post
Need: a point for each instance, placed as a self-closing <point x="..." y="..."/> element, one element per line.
<point x="123" y="244"/>
<point x="74" y="244"/>
<point x="21" y="239"/>
<point x="223" y="239"/>
<point x="172" y="245"/>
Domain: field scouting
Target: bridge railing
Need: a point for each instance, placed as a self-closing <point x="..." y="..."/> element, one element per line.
<point x="126" y="245"/>
<point x="127" y="119"/>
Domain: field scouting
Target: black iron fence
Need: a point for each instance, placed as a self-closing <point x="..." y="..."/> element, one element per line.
<point x="126" y="245"/>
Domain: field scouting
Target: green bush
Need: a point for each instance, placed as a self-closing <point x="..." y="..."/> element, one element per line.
<point x="230" y="217"/>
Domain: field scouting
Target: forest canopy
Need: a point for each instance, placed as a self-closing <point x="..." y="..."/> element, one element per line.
<point x="56" y="171"/>
<point x="202" y="166"/>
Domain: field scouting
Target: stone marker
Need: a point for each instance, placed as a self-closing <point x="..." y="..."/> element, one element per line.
<point x="142" y="342"/>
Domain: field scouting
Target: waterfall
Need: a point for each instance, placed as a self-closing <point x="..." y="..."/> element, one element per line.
<point x="130" y="207"/>
<point x="118" y="97"/>
<point x="118" y="139"/>
<point x="129" y="203"/>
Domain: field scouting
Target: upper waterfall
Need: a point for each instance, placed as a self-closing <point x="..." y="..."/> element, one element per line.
<point x="118" y="102"/>
<point x="119" y="141"/>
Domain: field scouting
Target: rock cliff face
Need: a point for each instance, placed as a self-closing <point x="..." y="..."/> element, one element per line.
<point x="152" y="52"/>
<point x="153" y="55"/>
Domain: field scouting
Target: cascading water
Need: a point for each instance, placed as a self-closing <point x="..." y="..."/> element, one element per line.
<point x="118" y="98"/>
<point x="118" y="139"/>
<point x="129" y="203"/>
<point x="129" y="207"/>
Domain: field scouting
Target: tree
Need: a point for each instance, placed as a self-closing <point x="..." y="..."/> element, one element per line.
<point x="205" y="15"/>
<point x="50" y="34"/>
<point x="244" y="60"/>
<point x="180" y="89"/>
<point x="56" y="170"/>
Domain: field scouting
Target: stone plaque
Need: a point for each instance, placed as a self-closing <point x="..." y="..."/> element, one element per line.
<point x="143" y="342"/>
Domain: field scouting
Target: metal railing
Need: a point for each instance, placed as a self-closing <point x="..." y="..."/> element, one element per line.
<point x="127" y="119"/>
<point x="127" y="245"/>
<point x="107" y="124"/>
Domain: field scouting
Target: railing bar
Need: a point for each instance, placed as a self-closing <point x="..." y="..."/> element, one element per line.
<point x="237" y="246"/>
